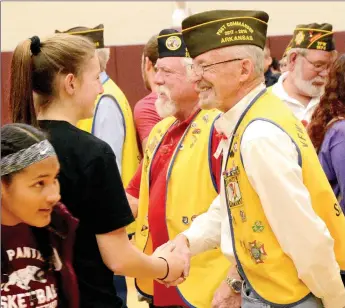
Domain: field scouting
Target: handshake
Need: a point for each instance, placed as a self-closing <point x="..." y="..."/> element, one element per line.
<point x="177" y="255"/>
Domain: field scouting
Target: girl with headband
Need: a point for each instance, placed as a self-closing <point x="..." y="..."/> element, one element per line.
<point x="37" y="232"/>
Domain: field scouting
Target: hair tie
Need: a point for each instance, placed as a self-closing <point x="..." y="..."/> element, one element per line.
<point x="35" y="46"/>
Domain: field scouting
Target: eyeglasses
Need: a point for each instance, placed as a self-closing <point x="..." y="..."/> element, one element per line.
<point x="318" y="67"/>
<point x="199" y="70"/>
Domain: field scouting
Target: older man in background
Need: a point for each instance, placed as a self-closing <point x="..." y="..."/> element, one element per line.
<point x="309" y="56"/>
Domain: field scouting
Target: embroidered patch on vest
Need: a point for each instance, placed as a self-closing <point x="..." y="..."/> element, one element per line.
<point x="185" y="220"/>
<point x="146" y="161"/>
<point x="205" y="118"/>
<point x="235" y="146"/>
<point x="258" y="227"/>
<point x="196" y="131"/>
<point x="153" y="143"/>
<point x="193" y="217"/>
<point x="194" y="140"/>
<point x="257" y="251"/>
<point x="232" y="188"/>
<point x="144" y="230"/>
<point x="243" y="216"/>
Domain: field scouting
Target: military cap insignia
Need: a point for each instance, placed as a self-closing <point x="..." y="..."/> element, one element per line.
<point x="173" y="42"/>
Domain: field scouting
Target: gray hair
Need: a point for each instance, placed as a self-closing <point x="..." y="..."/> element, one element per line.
<point x="303" y="52"/>
<point x="187" y="63"/>
<point x="255" y="53"/>
<point x="103" y="57"/>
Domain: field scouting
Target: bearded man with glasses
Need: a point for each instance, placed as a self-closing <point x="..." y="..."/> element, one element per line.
<point x="309" y="56"/>
<point x="179" y="177"/>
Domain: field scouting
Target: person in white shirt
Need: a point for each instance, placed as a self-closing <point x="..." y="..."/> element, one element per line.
<point x="276" y="218"/>
<point x="308" y="64"/>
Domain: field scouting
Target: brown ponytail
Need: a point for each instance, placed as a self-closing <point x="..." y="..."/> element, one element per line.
<point x="36" y="71"/>
<point x="21" y="97"/>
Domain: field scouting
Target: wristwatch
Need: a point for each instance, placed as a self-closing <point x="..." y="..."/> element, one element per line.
<point x="234" y="284"/>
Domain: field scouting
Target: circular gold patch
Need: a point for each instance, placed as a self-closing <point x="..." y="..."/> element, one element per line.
<point x="173" y="43"/>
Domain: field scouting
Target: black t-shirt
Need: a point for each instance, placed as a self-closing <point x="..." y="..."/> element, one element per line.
<point x="92" y="190"/>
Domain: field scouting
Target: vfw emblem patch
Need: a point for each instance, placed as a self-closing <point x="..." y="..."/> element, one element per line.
<point x="232" y="187"/>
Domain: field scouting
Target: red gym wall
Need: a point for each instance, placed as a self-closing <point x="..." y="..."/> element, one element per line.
<point x="124" y="68"/>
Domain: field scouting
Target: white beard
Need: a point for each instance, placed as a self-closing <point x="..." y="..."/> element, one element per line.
<point x="165" y="107"/>
<point x="306" y="86"/>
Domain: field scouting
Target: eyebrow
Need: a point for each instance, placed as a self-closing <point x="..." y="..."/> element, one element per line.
<point x="42" y="176"/>
<point x="45" y="175"/>
<point x="164" y="67"/>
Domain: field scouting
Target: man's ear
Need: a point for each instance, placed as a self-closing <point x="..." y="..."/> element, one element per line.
<point x="291" y="63"/>
<point x="69" y="83"/>
<point x="148" y="64"/>
<point x="247" y="69"/>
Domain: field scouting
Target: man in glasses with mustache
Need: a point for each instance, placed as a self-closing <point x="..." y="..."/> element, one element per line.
<point x="179" y="177"/>
<point x="309" y="56"/>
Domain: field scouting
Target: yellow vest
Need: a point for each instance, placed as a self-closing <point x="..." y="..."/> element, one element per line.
<point x="190" y="191"/>
<point x="130" y="153"/>
<point x="270" y="272"/>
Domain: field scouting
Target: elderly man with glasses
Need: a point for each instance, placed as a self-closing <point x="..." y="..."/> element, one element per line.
<point x="309" y="56"/>
<point x="179" y="178"/>
<point x="276" y="217"/>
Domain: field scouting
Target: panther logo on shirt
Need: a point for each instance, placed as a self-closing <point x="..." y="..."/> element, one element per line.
<point x="23" y="277"/>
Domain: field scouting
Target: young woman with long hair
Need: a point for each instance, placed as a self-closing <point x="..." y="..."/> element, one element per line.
<point x="63" y="73"/>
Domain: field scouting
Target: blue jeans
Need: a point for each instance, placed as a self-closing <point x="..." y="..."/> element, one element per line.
<point x="250" y="300"/>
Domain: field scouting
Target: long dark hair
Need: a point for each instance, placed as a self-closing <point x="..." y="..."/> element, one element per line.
<point x="332" y="104"/>
<point x="16" y="137"/>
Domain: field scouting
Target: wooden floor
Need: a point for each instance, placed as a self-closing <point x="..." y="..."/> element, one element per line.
<point x="132" y="298"/>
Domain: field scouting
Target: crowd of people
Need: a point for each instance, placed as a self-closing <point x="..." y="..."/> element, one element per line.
<point x="224" y="187"/>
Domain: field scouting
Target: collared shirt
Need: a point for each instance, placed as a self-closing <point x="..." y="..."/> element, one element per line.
<point x="109" y="124"/>
<point x="279" y="183"/>
<point x="156" y="215"/>
<point x="301" y="111"/>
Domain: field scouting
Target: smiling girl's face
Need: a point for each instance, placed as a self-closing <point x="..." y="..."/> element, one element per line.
<point x="30" y="195"/>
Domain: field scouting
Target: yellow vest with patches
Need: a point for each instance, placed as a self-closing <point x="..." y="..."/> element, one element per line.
<point x="130" y="153"/>
<point x="190" y="191"/>
<point x="270" y="272"/>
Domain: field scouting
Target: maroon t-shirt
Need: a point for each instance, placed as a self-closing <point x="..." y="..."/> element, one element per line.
<point x="145" y="116"/>
<point x="27" y="279"/>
